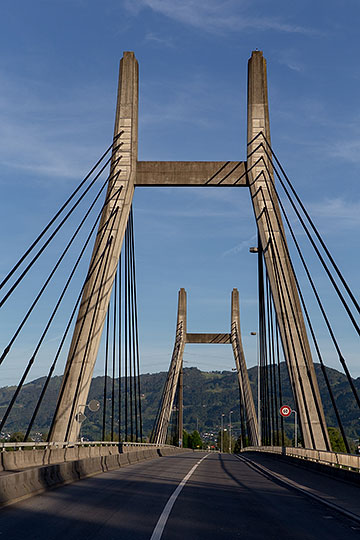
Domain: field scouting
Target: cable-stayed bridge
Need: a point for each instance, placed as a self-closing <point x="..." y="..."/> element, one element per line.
<point x="102" y="313"/>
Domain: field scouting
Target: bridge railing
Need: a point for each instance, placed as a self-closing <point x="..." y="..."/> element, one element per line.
<point x="11" y="446"/>
<point x="20" y="455"/>
<point x="334" y="459"/>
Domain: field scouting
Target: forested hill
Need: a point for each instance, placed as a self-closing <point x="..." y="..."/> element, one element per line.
<point x="207" y="395"/>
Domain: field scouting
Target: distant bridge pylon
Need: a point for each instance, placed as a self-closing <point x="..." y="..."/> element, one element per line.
<point x="174" y="383"/>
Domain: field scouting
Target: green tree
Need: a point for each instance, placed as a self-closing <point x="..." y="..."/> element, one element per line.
<point x="336" y="440"/>
<point x="196" y="441"/>
<point x="114" y="438"/>
<point x="287" y="441"/>
<point x="17" y="436"/>
<point x="238" y="445"/>
<point x="185" y="439"/>
<point x="226" y="438"/>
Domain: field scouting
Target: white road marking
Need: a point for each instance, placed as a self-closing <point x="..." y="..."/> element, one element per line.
<point x="159" y="528"/>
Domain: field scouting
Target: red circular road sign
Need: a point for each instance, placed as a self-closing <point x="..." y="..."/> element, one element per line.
<point x="285" y="410"/>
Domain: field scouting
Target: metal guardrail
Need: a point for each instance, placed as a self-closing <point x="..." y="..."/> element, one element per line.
<point x="66" y="444"/>
<point x="333" y="459"/>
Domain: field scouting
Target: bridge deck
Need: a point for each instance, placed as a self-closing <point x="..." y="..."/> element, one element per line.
<point x="223" y="498"/>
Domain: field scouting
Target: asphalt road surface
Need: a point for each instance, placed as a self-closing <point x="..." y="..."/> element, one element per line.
<point x="222" y="499"/>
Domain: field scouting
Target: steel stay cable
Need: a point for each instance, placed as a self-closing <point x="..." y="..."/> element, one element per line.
<point x="132" y="340"/>
<point x="167" y="390"/>
<point x="68" y="366"/>
<point x="340" y="295"/>
<point x="300" y="293"/>
<point x="348" y="290"/>
<point x="265" y="368"/>
<point x="155" y="428"/>
<point x="276" y="258"/>
<point x="284" y="309"/>
<point x="119" y="342"/>
<point x="327" y="322"/>
<point x="286" y="346"/>
<point x="95" y="311"/>
<point x="16" y="393"/>
<point x="15" y="267"/>
<point x="129" y="337"/>
<point x="168" y="386"/>
<point x="93" y="265"/>
<point x="309" y="276"/>
<point x="272" y="340"/>
<point x="171" y="386"/>
<point x="137" y="334"/>
<point x="279" y="377"/>
<point x="273" y="374"/>
<point x="106" y="373"/>
<point x="132" y="284"/>
<point x="273" y="409"/>
<point x="62" y="341"/>
<point x="113" y="360"/>
<point x="342" y="360"/>
<point x="243" y="412"/>
<point x="269" y="374"/>
<point x="32" y="358"/>
<point x="44" y="246"/>
<point x="47" y="281"/>
<point x="126" y="334"/>
<point x="262" y="352"/>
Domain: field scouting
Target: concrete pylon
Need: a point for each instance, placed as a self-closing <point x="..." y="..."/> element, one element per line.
<point x="174" y="377"/>
<point x="279" y="269"/>
<point x="96" y="295"/>
<point x="243" y="377"/>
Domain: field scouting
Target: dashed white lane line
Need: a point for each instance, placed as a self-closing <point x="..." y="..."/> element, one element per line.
<point x="159" y="528"/>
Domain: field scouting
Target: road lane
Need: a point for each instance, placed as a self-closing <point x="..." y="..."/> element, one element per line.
<point x="339" y="492"/>
<point x="226" y="499"/>
<point x="123" y="504"/>
<point x="223" y="498"/>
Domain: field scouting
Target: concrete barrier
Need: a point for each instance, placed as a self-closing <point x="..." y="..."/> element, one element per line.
<point x="340" y="466"/>
<point x="34" y="479"/>
<point x="337" y="459"/>
<point x="89" y="466"/>
<point x="22" y="459"/>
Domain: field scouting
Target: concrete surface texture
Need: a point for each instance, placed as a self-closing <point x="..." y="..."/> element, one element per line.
<point x="279" y="269"/>
<point x="190" y="173"/>
<point x="242" y="373"/>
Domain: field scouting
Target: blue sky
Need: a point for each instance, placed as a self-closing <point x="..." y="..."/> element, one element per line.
<point x="58" y="77"/>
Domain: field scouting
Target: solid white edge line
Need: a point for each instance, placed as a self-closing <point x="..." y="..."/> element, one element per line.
<point x="159" y="527"/>
<point x="303" y="489"/>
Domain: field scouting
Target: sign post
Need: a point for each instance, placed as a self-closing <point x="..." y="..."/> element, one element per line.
<point x="285" y="411"/>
